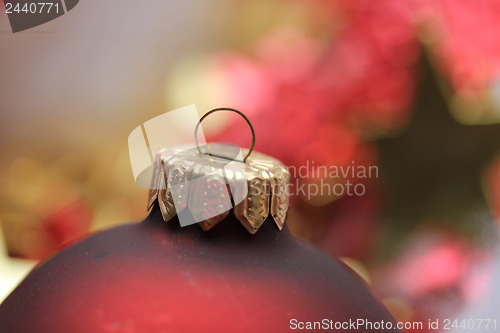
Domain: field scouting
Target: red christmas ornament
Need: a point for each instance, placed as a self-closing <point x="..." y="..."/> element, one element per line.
<point x="160" y="277"/>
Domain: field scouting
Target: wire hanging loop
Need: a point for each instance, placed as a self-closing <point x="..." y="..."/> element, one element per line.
<point x="225" y="109"/>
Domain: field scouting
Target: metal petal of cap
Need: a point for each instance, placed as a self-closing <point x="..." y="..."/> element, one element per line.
<point x="280" y="199"/>
<point x="165" y="199"/>
<point x="211" y="222"/>
<point x="176" y="170"/>
<point x="208" y="195"/>
<point x="254" y="209"/>
<point x="155" y="182"/>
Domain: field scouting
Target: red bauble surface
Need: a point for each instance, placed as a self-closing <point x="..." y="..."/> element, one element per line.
<point x="158" y="277"/>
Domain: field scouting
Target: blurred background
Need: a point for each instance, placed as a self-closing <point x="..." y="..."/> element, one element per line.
<point x="412" y="87"/>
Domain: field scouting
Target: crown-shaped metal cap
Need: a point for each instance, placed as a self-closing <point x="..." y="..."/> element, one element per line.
<point x="204" y="184"/>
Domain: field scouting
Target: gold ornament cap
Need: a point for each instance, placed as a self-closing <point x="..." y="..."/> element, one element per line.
<point x="204" y="184"/>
